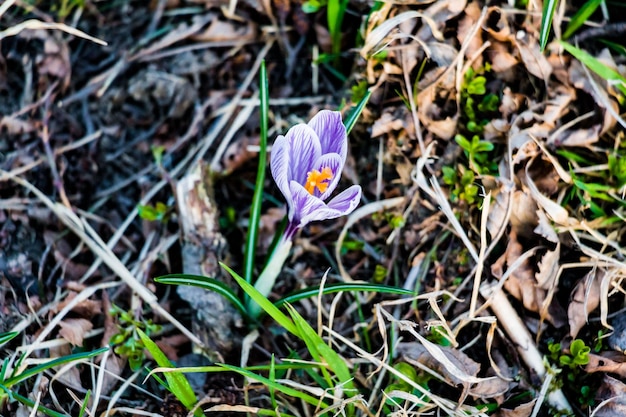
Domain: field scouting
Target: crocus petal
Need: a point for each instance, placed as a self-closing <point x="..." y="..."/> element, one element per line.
<point x="304" y="149"/>
<point x="303" y="203"/>
<point x="347" y="200"/>
<point x="344" y="203"/>
<point x="279" y="166"/>
<point x="331" y="132"/>
<point x="334" y="162"/>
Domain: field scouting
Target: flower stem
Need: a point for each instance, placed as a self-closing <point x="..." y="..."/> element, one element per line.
<point x="266" y="280"/>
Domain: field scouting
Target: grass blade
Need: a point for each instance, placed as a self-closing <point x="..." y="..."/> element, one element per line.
<point x="581" y="17"/>
<point x="265" y="304"/>
<point x="55" y="362"/>
<point x="356" y="111"/>
<point x="5" y="337"/>
<point x="597" y="66"/>
<point x="549" y="6"/>
<point x="342" y="286"/>
<point x="257" y="198"/>
<point x="207" y="283"/>
<point x="277" y="386"/>
<point x="324" y="352"/>
<point x="178" y="383"/>
<point x="30" y="403"/>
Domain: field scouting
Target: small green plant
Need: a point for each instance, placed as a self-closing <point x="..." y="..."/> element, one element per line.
<point x="358" y="91"/>
<point x="127" y="342"/>
<point x="477" y="154"/>
<point x="462" y="183"/>
<point x="438" y="335"/>
<point x="477" y="106"/>
<point x="158" y="212"/>
<point x="597" y="192"/>
<point x="399" y="384"/>
<point x="570" y="375"/>
<point x="579" y="355"/>
<point x="335" y="12"/>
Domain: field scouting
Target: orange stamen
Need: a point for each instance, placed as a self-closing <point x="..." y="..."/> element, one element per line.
<point x="319" y="180"/>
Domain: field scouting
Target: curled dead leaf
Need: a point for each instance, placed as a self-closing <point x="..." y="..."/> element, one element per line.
<point x="585" y="299"/>
<point x="611" y="397"/>
<point x="74" y="330"/>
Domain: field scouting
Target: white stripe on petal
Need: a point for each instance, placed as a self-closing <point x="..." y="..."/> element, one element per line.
<point x="279" y="166"/>
<point x="304" y="149"/>
<point x="332" y="133"/>
<point x="346" y="201"/>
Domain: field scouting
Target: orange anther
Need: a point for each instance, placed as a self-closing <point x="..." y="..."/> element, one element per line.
<point x="319" y="180"/>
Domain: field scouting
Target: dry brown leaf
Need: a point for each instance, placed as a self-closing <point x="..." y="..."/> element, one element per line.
<point x="502" y="61"/>
<point x="71" y="375"/>
<point x="14" y="126"/>
<point x="455" y="366"/>
<point x="554" y="210"/>
<point x="522" y="410"/>
<point x="466" y="24"/>
<point x="511" y="102"/>
<point x="579" y="79"/>
<point x="498" y="28"/>
<point x="524" y="217"/>
<point x="386" y="123"/>
<point x="610" y="361"/>
<point x="430" y="114"/>
<point x="534" y="60"/>
<point x="585" y="299"/>
<point x="85" y="308"/>
<point x="545" y="229"/>
<point x="440" y="12"/>
<point x="221" y="30"/>
<point x="611" y="397"/>
<point x="414" y="352"/>
<point x="576" y="137"/>
<point x="55" y="60"/>
<point x="548" y="268"/>
<point x="521" y="282"/>
<point x="491" y="388"/>
<point x="74" y="330"/>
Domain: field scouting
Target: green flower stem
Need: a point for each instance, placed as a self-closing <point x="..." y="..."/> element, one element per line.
<point x="266" y="280"/>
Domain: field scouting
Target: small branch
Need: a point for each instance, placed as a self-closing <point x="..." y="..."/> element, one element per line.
<point x="521" y="338"/>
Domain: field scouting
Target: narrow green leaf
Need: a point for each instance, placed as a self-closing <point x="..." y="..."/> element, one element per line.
<point x="207" y="283"/>
<point x="5" y="337"/>
<point x="597" y="66"/>
<point x="257" y="198"/>
<point x="620" y="49"/>
<point x="277" y="386"/>
<point x="549" y="6"/>
<point x="178" y="383"/>
<point x="339" y="287"/>
<point x="265" y="304"/>
<point x="332" y="358"/>
<point x="30" y="403"/>
<point x="54" y="362"/>
<point x="83" y="407"/>
<point x="581" y="16"/>
<point x="356" y="111"/>
<point x="312" y="343"/>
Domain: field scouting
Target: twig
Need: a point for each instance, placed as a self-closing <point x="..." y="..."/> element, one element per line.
<point x="613" y="30"/>
<point x="521" y="338"/>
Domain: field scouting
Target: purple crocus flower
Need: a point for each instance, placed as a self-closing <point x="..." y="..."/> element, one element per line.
<point x="306" y="164"/>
